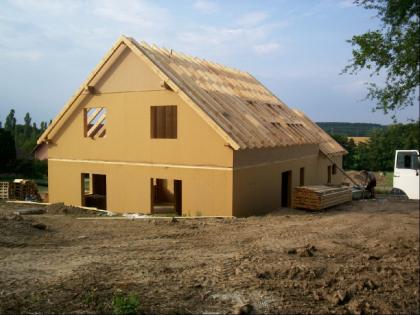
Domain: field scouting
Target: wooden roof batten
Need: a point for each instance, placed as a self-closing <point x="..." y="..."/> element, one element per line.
<point x="234" y="103"/>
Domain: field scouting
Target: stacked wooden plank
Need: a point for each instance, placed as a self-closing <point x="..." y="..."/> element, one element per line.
<point x="4" y="190"/>
<point x="320" y="197"/>
<point x="22" y="189"/>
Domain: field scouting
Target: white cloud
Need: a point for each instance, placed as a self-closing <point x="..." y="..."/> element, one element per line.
<point x="252" y="18"/>
<point x="267" y="48"/>
<point x="352" y="87"/>
<point x="132" y="12"/>
<point x="47" y="7"/>
<point x="211" y="35"/>
<point x="21" y="55"/>
<point x="347" y="3"/>
<point x="227" y="41"/>
<point x="248" y="33"/>
<point x="206" y="6"/>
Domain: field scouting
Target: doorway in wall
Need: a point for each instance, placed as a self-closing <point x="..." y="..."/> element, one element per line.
<point x="329" y="174"/>
<point x="166" y="196"/>
<point x="286" y="189"/>
<point x="94" y="190"/>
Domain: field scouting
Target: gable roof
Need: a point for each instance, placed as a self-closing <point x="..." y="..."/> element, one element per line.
<point x="245" y="113"/>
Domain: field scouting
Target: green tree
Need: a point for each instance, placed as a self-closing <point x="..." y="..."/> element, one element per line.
<point x="10" y="123"/>
<point x="361" y="157"/>
<point x="393" y="50"/>
<point x="383" y="144"/>
<point x="350" y="146"/>
<point x="7" y="150"/>
<point x="27" y="126"/>
<point x="43" y="125"/>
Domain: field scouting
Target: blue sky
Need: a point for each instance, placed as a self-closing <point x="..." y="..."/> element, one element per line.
<point x="296" y="48"/>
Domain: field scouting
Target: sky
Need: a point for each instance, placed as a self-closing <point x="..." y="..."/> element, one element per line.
<point x="295" y="48"/>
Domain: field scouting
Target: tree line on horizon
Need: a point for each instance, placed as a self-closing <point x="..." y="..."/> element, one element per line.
<point x="17" y="142"/>
<point x="350" y="129"/>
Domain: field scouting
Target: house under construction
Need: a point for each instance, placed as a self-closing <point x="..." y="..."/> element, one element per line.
<point x="153" y="130"/>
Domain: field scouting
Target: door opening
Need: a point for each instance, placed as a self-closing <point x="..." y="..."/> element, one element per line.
<point x="329" y="174"/>
<point x="94" y="190"/>
<point x="166" y="196"/>
<point x="286" y="189"/>
<point x="302" y="176"/>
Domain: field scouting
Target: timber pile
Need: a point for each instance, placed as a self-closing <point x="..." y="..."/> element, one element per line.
<point x="22" y="189"/>
<point x="320" y="197"/>
<point x="4" y="190"/>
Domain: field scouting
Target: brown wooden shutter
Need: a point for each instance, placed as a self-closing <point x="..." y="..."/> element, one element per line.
<point x="163" y="122"/>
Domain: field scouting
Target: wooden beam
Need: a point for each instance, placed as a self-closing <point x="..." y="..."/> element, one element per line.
<point x="339" y="168"/>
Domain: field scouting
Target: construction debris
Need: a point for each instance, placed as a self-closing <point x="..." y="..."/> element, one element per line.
<point x="4" y="190"/>
<point x="320" y="197"/>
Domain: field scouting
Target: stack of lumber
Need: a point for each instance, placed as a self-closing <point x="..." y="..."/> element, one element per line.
<point x="22" y="189"/>
<point x="4" y="190"/>
<point x="320" y="197"/>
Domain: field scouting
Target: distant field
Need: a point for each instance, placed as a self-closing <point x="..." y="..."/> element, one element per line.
<point x="350" y="129"/>
<point x="358" y="140"/>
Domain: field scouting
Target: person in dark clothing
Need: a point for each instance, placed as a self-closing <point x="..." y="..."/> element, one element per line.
<point x="370" y="182"/>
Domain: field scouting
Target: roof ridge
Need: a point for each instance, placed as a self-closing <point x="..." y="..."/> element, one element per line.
<point x="244" y="112"/>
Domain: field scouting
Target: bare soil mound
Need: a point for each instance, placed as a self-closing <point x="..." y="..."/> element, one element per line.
<point x="61" y="208"/>
<point x="18" y="231"/>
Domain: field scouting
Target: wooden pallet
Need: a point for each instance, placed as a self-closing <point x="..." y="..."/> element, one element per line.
<point x="320" y="197"/>
<point x="23" y="189"/>
<point x="4" y="190"/>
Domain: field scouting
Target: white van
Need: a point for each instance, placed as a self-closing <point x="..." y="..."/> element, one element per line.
<point x="406" y="172"/>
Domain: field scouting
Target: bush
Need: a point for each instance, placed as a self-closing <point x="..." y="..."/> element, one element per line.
<point x="125" y="304"/>
<point x="379" y="152"/>
<point x="7" y="150"/>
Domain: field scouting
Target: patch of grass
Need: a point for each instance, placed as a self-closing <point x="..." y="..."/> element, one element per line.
<point x="125" y="304"/>
<point x="383" y="190"/>
<point x="384" y="182"/>
<point x="389" y="177"/>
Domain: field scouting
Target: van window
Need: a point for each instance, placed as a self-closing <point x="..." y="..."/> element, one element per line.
<point x="407" y="160"/>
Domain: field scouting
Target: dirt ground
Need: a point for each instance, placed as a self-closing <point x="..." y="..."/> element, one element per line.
<point x="360" y="258"/>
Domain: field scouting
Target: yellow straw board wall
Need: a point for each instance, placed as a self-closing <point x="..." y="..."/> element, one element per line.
<point x="205" y="192"/>
<point x="216" y="178"/>
<point x="257" y="176"/>
<point x="130" y="158"/>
